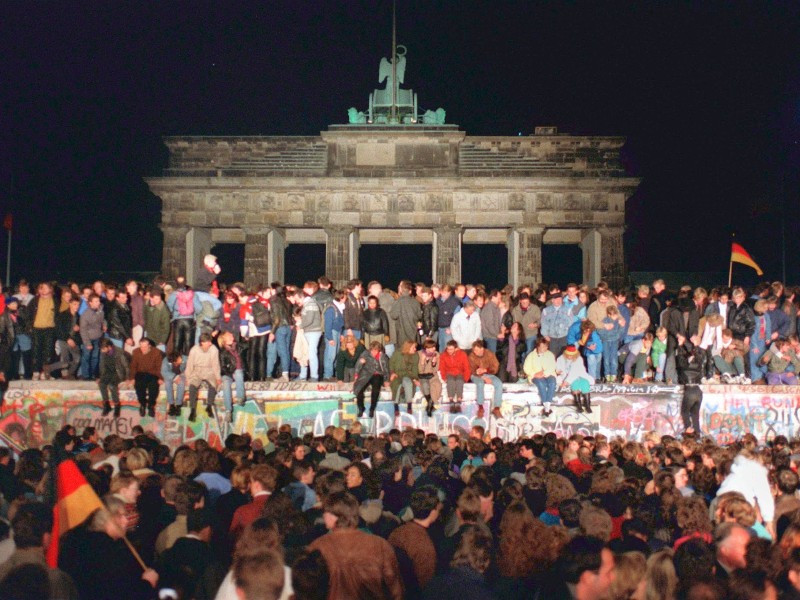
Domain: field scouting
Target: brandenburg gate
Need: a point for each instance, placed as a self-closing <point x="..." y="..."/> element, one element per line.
<point x="395" y="175"/>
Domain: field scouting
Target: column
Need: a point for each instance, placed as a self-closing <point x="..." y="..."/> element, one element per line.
<point x="612" y="256"/>
<point x="173" y="262"/>
<point x="590" y="245"/>
<point x="198" y="244"/>
<point x="256" y="256"/>
<point x="525" y="256"/>
<point x="447" y="254"/>
<point x="277" y="247"/>
<point x="339" y="252"/>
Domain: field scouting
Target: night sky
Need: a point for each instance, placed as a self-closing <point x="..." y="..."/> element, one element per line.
<point x="708" y="95"/>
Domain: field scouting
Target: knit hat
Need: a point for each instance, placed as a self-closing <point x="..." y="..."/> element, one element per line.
<point x="571" y="352"/>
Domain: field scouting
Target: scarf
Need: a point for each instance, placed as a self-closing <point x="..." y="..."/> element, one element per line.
<point x="245" y="310"/>
<point x="227" y="310"/>
<point x="511" y="362"/>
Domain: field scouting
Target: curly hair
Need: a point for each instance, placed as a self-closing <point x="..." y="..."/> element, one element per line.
<point x="559" y="488"/>
<point x="692" y="515"/>
<point x="527" y="546"/>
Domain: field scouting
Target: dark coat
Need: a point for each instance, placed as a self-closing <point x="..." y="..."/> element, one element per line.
<point x="677" y="323"/>
<point x="281" y="311"/>
<point x="407" y="313"/>
<point x="114" y="573"/>
<point x="741" y="321"/>
<point x="502" y="358"/>
<point x="119" y="323"/>
<point x="430" y="319"/>
<point x="113" y="367"/>
<point x="65" y="327"/>
<point x="203" y="279"/>
<point x="227" y="362"/>
<point x="376" y="322"/>
<point x="353" y="313"/>
<point x="344" y="360"/>
<point x="366" y="366"/>
<point x="6" y="330"/>
<point x="459" y="583"/>
<point x="182" y="566"/>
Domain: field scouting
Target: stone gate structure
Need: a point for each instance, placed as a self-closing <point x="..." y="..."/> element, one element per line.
<point x="413" y="183"/>
<point x="395" y="175"/>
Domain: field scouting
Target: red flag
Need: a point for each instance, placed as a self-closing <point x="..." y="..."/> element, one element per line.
<point x="8" y="222"/>
<point x="75" y="501"/>
<point x="740" y="255"/>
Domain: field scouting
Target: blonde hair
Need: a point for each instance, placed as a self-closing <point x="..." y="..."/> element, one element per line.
<point x="408" y="347"/>
<point x="661" y="577"/>
<point x="631" y="568"/>
<point x="466" y="472"/>
<point x="137" y="458"/>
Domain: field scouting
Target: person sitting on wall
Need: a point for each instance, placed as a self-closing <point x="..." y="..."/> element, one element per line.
<point x="571" y="374"/>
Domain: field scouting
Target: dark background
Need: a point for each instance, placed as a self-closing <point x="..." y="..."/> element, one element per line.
<point x="707" y="94"/>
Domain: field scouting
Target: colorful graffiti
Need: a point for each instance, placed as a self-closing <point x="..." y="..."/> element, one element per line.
<point x="33" y="411"/>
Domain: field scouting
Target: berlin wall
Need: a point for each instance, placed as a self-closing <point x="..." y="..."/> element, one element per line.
<point x="32" y="412"/>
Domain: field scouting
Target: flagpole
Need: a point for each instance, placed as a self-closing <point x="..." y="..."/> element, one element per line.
<point x="135" y="553"/>
<point x="730" y="273"/>
<point x="730" y="264"/>
<point x="8" y="261"/>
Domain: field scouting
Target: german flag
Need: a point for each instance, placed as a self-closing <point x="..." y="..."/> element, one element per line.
<point x="76" y="500"/>
<point x="740" y="255"/>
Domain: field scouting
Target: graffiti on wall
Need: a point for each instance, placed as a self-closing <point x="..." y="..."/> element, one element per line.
<point x="33" y="412"/>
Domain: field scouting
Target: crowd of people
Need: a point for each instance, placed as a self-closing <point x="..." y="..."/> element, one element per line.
<point x="407" y="515"/>
<point x="403" y="514"/>
<point x="422" y="341"/>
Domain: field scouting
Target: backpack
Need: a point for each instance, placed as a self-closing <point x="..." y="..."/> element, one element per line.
<point x="185" y="302"/>
<point x="261" y="316"/>
<point x="208" y="314"/>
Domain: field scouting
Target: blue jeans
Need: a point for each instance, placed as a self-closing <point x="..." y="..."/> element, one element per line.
<point x="546" y="387"/>
<point x="530" y="344"/>
<point x="312" y="339"/>
<point x="170" y="378"/>
<point x="388" y="350"/>
<point x="593" y="365"/>
<point x="90" y="360"/>
<point x="497" y="385"/>
<point x="330" y="355"/>
<point x="610" y="360"/>
<point x="662" y="363"/>
<point x="279" y="348"/>
<point x="757" y="349"/>
<point x="227" y="381"/>
<point x="444" y="337"/>
<point x="491" y="344"/>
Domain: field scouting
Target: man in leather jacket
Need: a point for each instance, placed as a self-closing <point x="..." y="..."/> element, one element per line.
<point x="741" y="318"/>
<point x="430" y="316"/>
<point x="119" y="322"/>
<point x="68" y="341"/>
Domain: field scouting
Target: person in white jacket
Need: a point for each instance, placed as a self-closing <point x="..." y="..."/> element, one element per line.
<point x="571" y="374"/>
<point x="749" y="478"/>
<point x="466" y="326"/>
